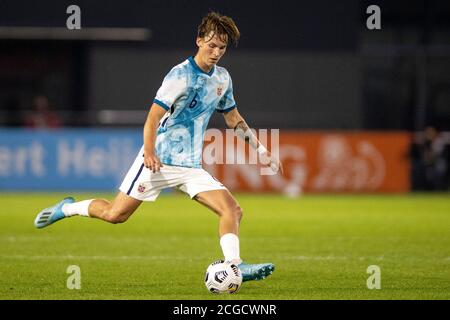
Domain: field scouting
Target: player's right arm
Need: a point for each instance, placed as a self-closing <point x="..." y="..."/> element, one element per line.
<point x="151" y="160"/>
<point x="173" y="86"/>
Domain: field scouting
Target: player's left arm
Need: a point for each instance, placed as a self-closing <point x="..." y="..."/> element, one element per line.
<point x="235" y="121"/>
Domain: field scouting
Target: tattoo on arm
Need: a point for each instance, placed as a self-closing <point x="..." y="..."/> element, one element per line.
<point x="243" y="131"/>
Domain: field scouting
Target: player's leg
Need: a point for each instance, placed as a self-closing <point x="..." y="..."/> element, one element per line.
<point x="138" y="185"/>
<point x="225" y="205"/>
<point x="230" y="214"/>
<point x="116" y="211"/>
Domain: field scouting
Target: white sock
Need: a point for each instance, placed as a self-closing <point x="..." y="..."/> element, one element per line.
<point x="230" y="247"/>
<point x="77" y="208"/>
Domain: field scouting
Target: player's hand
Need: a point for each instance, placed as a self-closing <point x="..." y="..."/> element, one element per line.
<point x="272" y="162"/>
<point x="151" y="161"/>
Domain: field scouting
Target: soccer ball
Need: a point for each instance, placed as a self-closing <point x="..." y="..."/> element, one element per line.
<point x="223" y="277"/>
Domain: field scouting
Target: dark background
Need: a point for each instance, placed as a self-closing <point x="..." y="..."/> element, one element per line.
<point x="299" y="64"/>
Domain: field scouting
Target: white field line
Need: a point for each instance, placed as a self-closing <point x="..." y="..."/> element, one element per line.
<point x="75" y="257"/>
<point x="14" y="239"/>
<point x="104" y="257"/>
<point x="363" y="258"/>
<point x="317" y="258"/>
<point x="332" y="258"/>
<point x="185" y="258"/>
<point x="28" y="238"/>
<point x="142" y="258"/>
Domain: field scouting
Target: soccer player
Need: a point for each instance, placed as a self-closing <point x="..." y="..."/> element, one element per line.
<point x="173" y="140"/>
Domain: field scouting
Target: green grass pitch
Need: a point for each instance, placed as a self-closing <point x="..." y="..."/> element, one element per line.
<point x="321" y="245"/>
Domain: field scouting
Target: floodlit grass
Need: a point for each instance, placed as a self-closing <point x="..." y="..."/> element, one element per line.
<point x="321" y="246"/>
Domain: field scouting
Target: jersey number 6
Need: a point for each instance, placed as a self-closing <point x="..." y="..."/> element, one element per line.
<point x="194" y="101"/>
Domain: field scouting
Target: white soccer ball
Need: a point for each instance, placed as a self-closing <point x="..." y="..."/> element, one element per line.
<point x="223" y="277"/>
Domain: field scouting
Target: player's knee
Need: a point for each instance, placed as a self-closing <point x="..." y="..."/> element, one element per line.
<point x="117" y="217"/>
<point x="239" y="213"/>
<point x="234" y="213"/>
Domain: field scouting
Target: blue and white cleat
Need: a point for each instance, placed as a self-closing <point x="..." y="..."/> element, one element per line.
<point x="50" y="215"/>
<point x="256" y="271"/>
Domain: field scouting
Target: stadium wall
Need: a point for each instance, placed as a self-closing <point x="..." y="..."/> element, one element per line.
<point x="325" y="161"/>
<point x="313" y="90"/>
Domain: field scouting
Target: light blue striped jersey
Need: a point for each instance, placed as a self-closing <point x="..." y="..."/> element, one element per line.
<point x="190" y="97"/>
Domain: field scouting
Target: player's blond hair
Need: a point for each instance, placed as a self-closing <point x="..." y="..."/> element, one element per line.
<point x="221" y="25"/>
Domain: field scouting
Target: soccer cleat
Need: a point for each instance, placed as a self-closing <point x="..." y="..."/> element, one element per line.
<point x="50" y="215"/>
<point x="256" y="271"/>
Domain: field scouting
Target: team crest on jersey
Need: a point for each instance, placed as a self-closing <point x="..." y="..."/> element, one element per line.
<point x="141" y="188"/>
<point x="219" y="90"/>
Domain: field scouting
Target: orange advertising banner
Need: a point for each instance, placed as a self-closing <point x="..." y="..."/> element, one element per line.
<point x="357" y="162"/>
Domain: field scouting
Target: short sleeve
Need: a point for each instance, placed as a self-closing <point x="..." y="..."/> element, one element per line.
<point x="227" y="102"/>
<point x="173" y="86"/>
